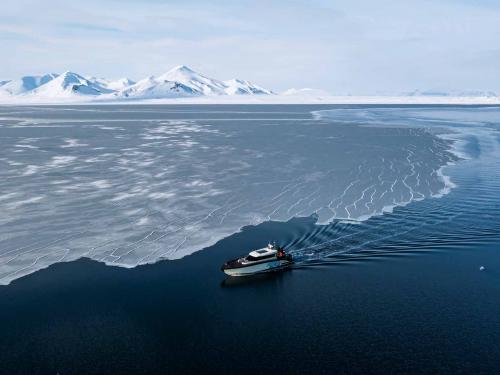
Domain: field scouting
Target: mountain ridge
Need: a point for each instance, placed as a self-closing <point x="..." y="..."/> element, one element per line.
<point x="180" y="81"/>
<point x="183" y="82"/>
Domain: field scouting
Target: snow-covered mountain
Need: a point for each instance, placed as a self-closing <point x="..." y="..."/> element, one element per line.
<point x="195" y="81"/>
<point x="154" y="88"/>
<point x="25" y="84"/>
<point x="184" y="82"/>
<point x="242" y="87"/>
<point x="103" y="82"/>
<point x="69" y="84"/>
<point x="180" y="81"/>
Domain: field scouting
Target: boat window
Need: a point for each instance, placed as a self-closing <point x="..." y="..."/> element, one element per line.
<point x="251" y="258"/>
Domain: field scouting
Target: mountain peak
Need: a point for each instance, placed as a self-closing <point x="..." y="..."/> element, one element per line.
<point x="68" y="78"/>
<point x="196" y="81"/>
<point x="181" y="68"/>
<point x="69" y="84"/>
<point x="69" y="73"/>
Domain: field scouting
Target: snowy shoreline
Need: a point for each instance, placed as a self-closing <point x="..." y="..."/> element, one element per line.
<point x="259" y="99"/>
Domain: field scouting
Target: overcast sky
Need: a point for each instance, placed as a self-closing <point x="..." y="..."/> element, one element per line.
<point x="347" y="46"/>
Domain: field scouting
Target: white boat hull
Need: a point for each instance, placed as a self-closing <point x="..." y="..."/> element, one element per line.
<point x="258" y="268"/>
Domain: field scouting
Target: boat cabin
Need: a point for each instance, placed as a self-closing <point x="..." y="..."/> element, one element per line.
<point x="268" y="252"/>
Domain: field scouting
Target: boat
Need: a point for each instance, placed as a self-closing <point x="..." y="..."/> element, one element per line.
<point x="269" y="259"/>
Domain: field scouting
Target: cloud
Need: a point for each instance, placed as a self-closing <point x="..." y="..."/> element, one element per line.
<point x="91" y="27"/>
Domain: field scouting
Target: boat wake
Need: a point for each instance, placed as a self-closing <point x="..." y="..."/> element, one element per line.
<point x="468" y="216"/>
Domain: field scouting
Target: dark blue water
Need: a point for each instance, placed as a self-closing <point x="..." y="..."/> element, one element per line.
<point x="398" y="293"/>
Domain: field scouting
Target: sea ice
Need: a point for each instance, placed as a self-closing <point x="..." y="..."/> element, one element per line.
<point x="129" y="186"/>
